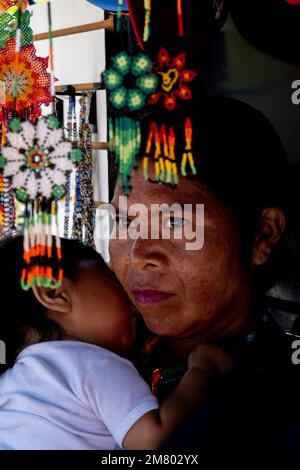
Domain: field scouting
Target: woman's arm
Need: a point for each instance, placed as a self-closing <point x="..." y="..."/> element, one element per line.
<point x="152" y="429"/>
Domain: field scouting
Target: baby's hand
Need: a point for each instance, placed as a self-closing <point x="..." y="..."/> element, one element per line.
<point x="210" y="358"/>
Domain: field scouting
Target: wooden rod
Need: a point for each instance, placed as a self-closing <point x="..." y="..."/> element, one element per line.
<point x="80" y="86"/>
<point x="100" y="145"/>
<point x="84" y="28"/>
<point x="100" y="203"/>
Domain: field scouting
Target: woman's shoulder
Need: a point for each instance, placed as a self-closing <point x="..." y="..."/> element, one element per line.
<point x="256" y="408"/>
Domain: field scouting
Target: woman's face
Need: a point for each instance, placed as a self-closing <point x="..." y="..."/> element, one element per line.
<point x="181" y="293"/>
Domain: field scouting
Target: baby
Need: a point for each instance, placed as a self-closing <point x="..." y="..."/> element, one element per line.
<point x="66" y="386"/>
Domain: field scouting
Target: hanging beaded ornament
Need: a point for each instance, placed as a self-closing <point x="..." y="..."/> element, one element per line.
<point x="33" y="84"/>
<point x="147" y="24"/>
<point x="119" y="15"/>
<point x="4" y="194"/>
<point x="180" y="18"/>
<point x="129" y="81"/>
<point x="173" y="88"/>
<point x="84" y="211"/>
<point x="8" y="25"/>
<point x="72" y="135"/>
<point x="163" y="141"/>
<point x="174" y="80"/>
<point x="37" y="160"/>
<point x="7" y="207"/>
<point x="2" y="210"/>
<point x="72" y="130"/>
<point x="7" y="4"/>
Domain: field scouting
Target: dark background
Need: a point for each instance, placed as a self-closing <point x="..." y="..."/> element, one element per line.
<point x="235" y="68"/>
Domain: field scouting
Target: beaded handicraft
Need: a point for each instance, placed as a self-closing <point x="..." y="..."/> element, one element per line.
<point x="24" y="75"/>
<point x="130" y="81"/>
<point x="136" y="87"/>
<point x="36" y="159"/>
<point x="147" y="23"/>
<point x="84" y="209"/>
<point x="72" y="135"/>
<point x="173" y="89"/>
<point x="33" y="83"/>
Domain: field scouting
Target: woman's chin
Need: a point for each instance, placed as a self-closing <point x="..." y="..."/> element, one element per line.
<point x="162" y="325"/>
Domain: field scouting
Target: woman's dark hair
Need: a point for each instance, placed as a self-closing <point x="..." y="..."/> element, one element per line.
<point x="20" y="310"/>
<point x="240" y="157"/>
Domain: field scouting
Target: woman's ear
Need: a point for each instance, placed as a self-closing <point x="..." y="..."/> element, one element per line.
<point x="55" y="300"/>
<point x="272" y="225"/>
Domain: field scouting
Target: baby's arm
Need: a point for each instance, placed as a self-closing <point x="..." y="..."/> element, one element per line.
<point x="152" y="429"/>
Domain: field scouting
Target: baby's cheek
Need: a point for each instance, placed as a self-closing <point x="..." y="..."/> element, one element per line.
<point x="119" y="251"/>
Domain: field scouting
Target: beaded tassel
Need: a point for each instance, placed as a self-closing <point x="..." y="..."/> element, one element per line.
<point x="17" y="61"/>
<point x="3" y="133"/>
<point x="119" y="16"/>
<point x="84" y="213"/>
<point x="147" y="26"/>
<point x="2" y="204"/>
<point x="172" y="172"/>
<point x="180" y="18"/>
<point x="161" y="141"/>
<point x="51" y="56"/>
<point x="86" y="173"/>
<point x="7" y="207"/>
<point x="72" y="135"/>
<point x="164" y="156"/>
<point x="77" y="214"/>
<point x="77" y="217"/>
<point x="188" y="154"/>
<point x="67" y="207"/>
<point x="125" y="133"/>
<point x="10" y="208"/>
<point x="155" y="136"/>
<point x="42" y="263"/>
<point x="148" y="150"/>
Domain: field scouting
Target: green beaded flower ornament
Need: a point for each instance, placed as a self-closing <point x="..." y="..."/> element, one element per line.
<point x="129" y="82"/>
<point x="8" y="26"/>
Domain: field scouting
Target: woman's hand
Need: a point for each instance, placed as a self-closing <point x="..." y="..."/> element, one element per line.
<point x="210" y="358"/>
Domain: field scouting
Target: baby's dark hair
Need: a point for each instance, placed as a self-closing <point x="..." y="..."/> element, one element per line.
<point x="21" y="311"/>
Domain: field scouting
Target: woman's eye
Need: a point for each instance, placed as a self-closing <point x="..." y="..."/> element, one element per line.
<point x="175" y="222"/>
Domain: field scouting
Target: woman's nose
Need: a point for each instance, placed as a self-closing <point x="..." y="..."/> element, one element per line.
<point x="148" y="254"/>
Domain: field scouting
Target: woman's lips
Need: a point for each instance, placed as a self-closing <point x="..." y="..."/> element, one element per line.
<point x="150" y="296"/>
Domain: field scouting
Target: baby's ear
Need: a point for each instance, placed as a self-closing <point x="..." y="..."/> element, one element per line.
<point x="55" y="300"/>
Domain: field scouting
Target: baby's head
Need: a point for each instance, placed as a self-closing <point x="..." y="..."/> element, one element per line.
<point x="90" y="306"/>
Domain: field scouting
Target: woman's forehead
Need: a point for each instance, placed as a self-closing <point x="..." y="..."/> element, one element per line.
<point x="146" y="192"/>
<point x="191" y="192"/>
